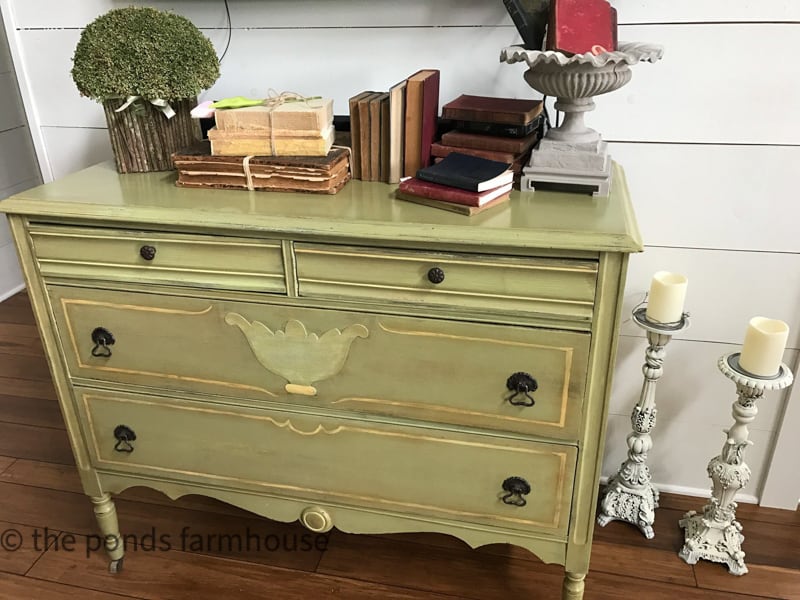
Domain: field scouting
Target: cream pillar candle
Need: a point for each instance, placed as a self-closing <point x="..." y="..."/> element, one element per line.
<point x="667" y="294"/>
<point x="764" y="343"/>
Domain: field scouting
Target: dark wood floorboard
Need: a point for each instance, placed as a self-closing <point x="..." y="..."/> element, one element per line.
<point x="40" y="489"/>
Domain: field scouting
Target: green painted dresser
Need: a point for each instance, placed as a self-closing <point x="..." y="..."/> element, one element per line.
<point x="351" y="361"/>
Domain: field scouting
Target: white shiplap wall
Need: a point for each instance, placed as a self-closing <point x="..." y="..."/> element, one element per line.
<point x="709" y="139"/>
<point x="18" y="167"/>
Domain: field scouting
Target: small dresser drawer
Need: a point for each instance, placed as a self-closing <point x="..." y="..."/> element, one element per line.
<point x="550" y="287"/>
<point x="348" y="462"/>
<point x="519" y="379"/>
<point x="169" y="259"/>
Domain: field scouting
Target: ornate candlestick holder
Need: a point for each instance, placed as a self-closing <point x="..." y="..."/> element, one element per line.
<point x="715" y="534"/>
<point x="573" y="153"/>
<point x="629" y="495"/>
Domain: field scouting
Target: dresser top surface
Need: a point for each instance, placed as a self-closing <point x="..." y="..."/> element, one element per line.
<point x="361" y="210"/>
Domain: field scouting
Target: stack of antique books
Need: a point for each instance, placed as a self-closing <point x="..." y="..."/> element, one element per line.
<point x="198" y="168"/>
<point x="293" y="127"/>
<point x="459" y="183"/>
<point x="500" y="129"/>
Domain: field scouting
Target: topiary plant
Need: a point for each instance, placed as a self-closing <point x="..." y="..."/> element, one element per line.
<point x="139" y="51"/>
<point x="134" y="61"/>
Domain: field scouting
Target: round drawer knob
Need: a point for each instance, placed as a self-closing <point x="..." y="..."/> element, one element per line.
<point x="436" y="275"/>
<point x="515" y="488"/>
<point x="147" y="252"/>
<point x="316" y="519"/>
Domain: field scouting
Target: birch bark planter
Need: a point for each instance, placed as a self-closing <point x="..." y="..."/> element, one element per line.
<point x="144" y="139"/>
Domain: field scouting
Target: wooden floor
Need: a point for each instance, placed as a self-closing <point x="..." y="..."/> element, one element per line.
<point x="40" y="496"/>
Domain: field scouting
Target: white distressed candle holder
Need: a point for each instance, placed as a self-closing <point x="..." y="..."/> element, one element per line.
<point x="630" y="494"/>
<point x="715" y="534"/>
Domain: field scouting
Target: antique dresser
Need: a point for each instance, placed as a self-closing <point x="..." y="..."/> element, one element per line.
<point x="351" y="361"/>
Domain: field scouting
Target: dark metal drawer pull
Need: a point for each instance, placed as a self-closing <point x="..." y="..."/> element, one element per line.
<point x="102" y="339"/>
<point x="515" y="488"/>
<point x="124" y="436"/>
<point x="147" y="252"/>
<point x="521" y="383"/>
<point x="435" y="275"/>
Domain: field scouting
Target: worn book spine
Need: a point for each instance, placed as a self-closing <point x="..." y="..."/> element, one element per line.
<point x="497" y="143"/>
<point x="242" y="144"/>
<point x="375" y="126"/>
<point x="451" y="206"/>
<point x="442" y="150"/>
<point x="366" y="135"/>
<point x="355" y="133"/>
<point x="499" y="129"/>
<point x="511" y="111"/>
<point x="412" y="185"/>
<point x="397" y="115"/>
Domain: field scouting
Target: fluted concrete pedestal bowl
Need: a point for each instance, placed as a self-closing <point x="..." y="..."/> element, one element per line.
<point x="573" y="153"/>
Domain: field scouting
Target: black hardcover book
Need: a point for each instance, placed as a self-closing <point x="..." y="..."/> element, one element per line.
<point x="530" y="17"/>
<point x="501" y="129"/>
<point x="468" y="172"/>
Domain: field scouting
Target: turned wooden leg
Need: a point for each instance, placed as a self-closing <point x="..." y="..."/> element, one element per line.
<point x="573" y="586"/>
<point x="106" y="514"/>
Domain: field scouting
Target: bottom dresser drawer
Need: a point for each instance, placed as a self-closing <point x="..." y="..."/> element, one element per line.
<point x="400" y="469"/>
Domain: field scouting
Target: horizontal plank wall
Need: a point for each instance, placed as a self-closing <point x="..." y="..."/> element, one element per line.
<point x="708" y="138"/>
<point x="18" y="166"/>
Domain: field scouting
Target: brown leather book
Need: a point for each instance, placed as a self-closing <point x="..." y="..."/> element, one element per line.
<point x="513" y="111"/>
<point x="451" y="206"/>
<point x="355" y="132"/>
<point x="376" y="126"/>
<point x="480" y="141"/>
<point x="442" y="150"/>
<point x="365" y="133"/>
<point x="314" y="174"/>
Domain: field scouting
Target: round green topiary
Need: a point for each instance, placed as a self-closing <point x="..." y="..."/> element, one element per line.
<point x="139" y="51"/>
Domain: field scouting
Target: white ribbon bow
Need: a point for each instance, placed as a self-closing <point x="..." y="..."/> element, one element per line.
<point x="160" y="104"/>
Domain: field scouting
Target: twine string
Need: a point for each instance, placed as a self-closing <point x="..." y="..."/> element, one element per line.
<point x="274" y="100"/>
<point x="247" y="173"/>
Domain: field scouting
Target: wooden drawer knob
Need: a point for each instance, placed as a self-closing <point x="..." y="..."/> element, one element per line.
<point x="316" y="519"/>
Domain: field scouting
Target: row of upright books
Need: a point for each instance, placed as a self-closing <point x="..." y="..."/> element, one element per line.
<point x="392" y="132"/>
<point x="395" y="133"/>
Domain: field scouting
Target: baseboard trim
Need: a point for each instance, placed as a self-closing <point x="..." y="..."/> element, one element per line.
<point x="697" y="492"/>
<point x="11" y="292"/>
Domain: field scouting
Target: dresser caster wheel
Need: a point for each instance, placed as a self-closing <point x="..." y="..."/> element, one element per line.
<point x="115" y="566"/>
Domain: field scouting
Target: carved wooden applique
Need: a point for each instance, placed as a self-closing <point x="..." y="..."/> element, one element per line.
<point x="296" y="355"/>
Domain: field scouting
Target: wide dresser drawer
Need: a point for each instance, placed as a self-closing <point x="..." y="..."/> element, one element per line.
<point x="159" y="258"/>
<point x="344" y="462"/>
<point x="518" y="379"/>
<point x="550" y="287"/>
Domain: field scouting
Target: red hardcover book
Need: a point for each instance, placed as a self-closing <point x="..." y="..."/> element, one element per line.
<point x="480" y="141"/>
<point x="576" y="26"/>
<point x="428" y="189"/>
<point x="513" y="111"/>
<point x="422" y="112"/>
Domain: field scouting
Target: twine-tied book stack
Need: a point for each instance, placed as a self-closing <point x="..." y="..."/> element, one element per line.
<point x="284" y="125"/>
